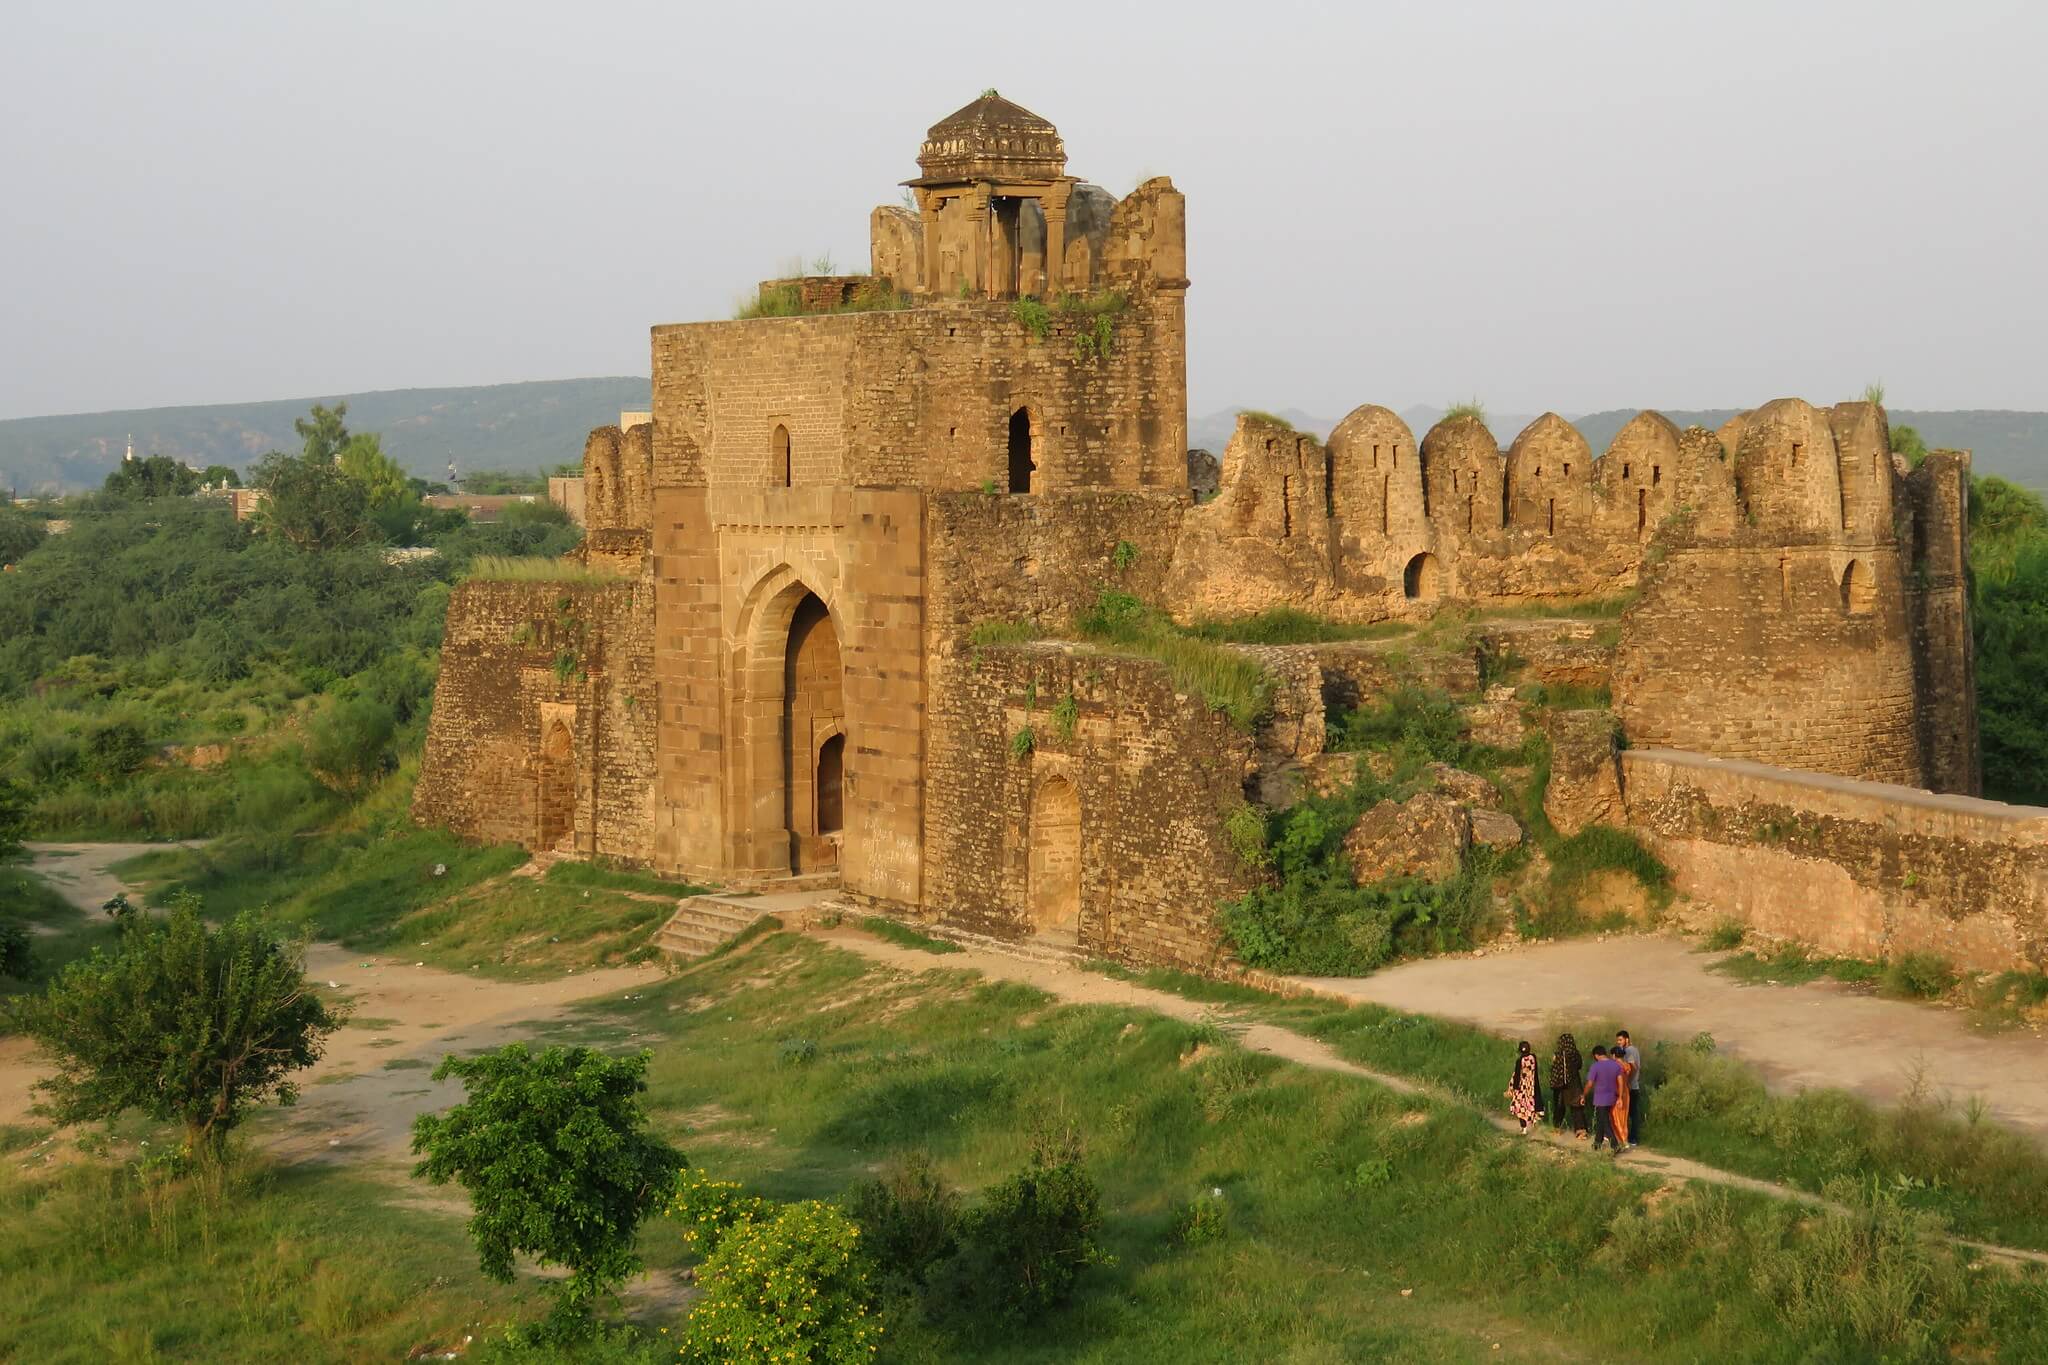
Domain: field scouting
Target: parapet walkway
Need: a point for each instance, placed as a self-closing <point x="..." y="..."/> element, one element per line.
<point x="1072" y="983"/>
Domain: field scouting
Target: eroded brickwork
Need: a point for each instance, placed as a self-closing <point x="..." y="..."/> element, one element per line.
<point x="1853" y="868"/>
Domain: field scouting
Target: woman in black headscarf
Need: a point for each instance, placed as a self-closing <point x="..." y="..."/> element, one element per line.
<point x="1525" y="1096"/>
<point x="1567" y="1080"/>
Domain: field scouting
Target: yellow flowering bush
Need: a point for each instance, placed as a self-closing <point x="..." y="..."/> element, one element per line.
<point x="788" y="1286"/>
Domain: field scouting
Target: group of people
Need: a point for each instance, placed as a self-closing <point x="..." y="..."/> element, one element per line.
<point x="1612" y="1086"/>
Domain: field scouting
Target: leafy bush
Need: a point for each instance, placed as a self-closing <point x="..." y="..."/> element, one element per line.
<point x="1202" y="1219"/>
<point x="1245" y="827"/>
<point x="709" y="1208"/>
<point x="909" y="1217"/>
<point x="1427" y="721"/>
<point x="115" y="749"/>
<point x="1919" y="976"/>
<point x="793" y="1286"/>
<point x="183" y="1022"/>
<point x="17" y="953"/>
<point x="349" y="743"/>
<point x="1034" y="1234"/>
<point x="553" y="1150"/>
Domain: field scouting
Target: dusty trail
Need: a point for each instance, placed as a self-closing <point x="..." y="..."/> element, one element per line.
<point x="358" y="1102"/>
<point x="1078" y="986"/>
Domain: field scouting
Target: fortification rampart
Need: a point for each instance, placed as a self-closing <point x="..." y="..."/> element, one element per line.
<point x="543" y="725"/>
<point x="1861" y="869"/>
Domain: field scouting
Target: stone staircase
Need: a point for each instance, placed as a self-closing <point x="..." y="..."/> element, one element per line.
<point x="701" y="923"/>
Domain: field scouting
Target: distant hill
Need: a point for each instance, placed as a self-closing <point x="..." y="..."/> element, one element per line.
<point x="495" y="426"/>
<point x="2012" y="445"/>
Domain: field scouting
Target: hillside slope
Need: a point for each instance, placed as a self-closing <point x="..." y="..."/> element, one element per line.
<point x="495" y="426"/>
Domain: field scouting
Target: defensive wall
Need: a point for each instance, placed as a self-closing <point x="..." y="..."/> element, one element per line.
<point x="1859" y="869"/>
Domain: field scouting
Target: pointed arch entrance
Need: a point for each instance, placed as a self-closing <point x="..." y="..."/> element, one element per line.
<point x="785" y="774"/>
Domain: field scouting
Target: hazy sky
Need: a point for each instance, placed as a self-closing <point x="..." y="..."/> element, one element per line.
<point x="1544" y="205"/>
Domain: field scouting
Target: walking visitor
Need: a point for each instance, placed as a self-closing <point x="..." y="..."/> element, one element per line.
<point x="1603" y="1085"/>
<point x="1637" y="1095"/>
<point x="1567" y="1078"/>
<point x="1525" y="1096"/>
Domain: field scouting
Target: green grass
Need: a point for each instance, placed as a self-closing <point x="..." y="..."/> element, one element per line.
<point x="1499" y="1243"/>
<point x="903" y="936"/>
<point x="1270" y="419"/>
<point x="303" y="1264"/>
<point x="1988" y="1182"/>
<point x="1291" y="626"/>
<point x="619" y="879"/>
<point x="1794" y="964"/>
<point x="538" y="569"/>
<point x="1003" y="633"/>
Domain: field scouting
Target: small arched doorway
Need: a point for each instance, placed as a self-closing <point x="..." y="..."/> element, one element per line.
<point x="813" y="720"/>
<point x="555" y="820"/>
<point x="831" y="775"/>
<point x="1419" y="579"/>
<point x="1859" y="591"/>
<point x="1023" y="461"/>
<point x="778" y="456"/>
<point x="1053" y="876"/>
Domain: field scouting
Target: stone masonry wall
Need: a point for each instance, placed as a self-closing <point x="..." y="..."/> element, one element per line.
<point x="518" y="659"/>
<point x="1853" y="868"/>
<point x="1154" y="772"/>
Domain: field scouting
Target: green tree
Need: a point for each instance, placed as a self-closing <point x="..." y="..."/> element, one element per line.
<point x="221" y="476"/>
<point x="19" y="534"/>
<point x="312" y="503"/>
<point x="349" y="743"/>
<point x="1033" y="1234"/>
<point x="183" y="1022"/>
<point x="13" y="818"/>
<point x="323" y="433"/>
<point x="553" y="1149"/>
<point x="1906" y="441"/>
<point x="157" y="476"/>
<point x="363" y="459"/>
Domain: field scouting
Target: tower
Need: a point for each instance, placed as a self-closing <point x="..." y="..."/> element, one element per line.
<point x="992" y="201"/>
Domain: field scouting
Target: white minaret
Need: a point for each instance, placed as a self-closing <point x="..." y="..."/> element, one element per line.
<point x="129" y="458"/>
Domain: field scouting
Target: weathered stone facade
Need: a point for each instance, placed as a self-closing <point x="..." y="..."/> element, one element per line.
<point x="782" y="678"/>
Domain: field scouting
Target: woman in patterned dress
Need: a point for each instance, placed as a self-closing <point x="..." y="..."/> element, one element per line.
<point x="1525" y="1096"/>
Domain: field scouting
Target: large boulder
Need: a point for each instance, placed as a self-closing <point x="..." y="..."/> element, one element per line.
<point x="1425" y="836"/>
<point x="1467" y="789"/>
<point x="1496" y="721"/>
<point x="1495" y="829"/>
<point x="1585" y="770"/>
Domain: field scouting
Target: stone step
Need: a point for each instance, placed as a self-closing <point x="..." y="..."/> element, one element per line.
<point x="701" y="924"/>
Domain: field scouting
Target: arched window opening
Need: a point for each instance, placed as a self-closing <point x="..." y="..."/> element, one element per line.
<point x="1023" y="458"/>
<point x="1418" y="580"/>
<point x="831" y="774"/>
<point x="1859" y="589"/>
<point x="778" y="456"/>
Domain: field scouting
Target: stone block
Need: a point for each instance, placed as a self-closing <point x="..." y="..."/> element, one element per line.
<point x="1585" y="774"/>
<point x="1425" y="836"/>
<point x="1495" y="829"/>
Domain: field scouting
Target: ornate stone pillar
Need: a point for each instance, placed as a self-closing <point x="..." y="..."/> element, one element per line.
<point x="1054" y="206"/>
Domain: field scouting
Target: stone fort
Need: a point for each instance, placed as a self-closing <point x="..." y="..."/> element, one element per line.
<point x="813" y="634"/>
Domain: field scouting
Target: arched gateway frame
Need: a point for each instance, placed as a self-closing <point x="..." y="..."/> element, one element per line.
<point x="787" y="713"/>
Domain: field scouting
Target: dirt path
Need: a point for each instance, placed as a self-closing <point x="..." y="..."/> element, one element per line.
<point x="1078" y="986"/>
<point x="1819" y="1035"/>
<point x="359" y="1100"/>
<point x="80" y="872"/>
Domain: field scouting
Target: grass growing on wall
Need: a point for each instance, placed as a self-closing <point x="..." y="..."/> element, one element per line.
<point x="1227" y="680"/>
<point x="506" y="569"/>
<point x="1291" y="626"/>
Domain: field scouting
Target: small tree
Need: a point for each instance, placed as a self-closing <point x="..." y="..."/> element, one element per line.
<point x="13" y="818"/>
<point x="553" y="1150"/>
<point x="156" y="476"/>
<point x="183" y="1022"/>
<point x="349" y="743"/>
<point x="1034" y="1234"/>
<point x="311" y="502"/>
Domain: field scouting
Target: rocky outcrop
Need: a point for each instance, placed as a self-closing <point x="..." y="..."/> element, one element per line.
<point x="1426" y="836"/>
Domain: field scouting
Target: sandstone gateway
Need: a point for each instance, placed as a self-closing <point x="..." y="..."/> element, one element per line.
<point x="800" y="641"/>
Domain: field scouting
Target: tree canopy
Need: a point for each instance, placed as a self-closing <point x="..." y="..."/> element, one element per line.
<point x="155" y="476"/>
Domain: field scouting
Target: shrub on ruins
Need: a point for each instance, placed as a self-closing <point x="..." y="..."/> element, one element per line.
<point x="182" y="1021"/>
<point x="19" y="534"/>
<point x="554" y="1151"/>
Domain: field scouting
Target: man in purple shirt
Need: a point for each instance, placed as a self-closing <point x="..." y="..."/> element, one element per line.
<point x="1603" y="1087"/>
